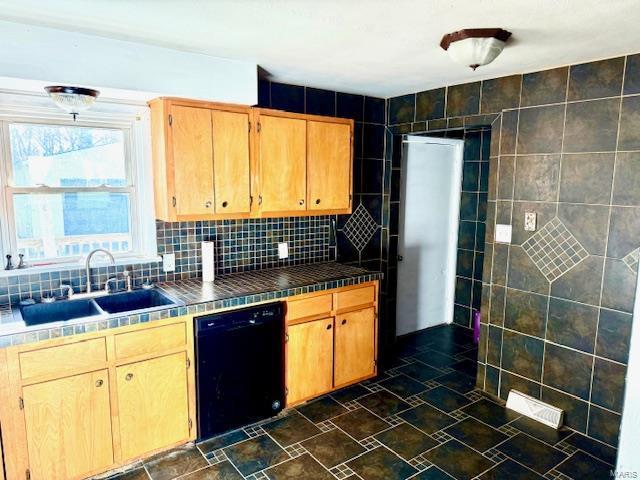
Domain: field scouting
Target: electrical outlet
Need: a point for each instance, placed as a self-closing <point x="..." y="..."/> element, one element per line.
<point x="503" y="233"/>
<point x="169" y="262"/>
<point x="530" y="221"/>
<point x="283" y="250"/>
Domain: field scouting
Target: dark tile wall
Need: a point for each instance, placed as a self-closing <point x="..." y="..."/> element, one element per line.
<point x="557" y="302"/>
<point x="471" y="231"/>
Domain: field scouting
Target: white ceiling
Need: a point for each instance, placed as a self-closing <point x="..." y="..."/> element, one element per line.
<point x="374" y="47"/>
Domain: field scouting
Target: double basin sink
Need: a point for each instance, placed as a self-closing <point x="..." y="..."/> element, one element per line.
<point x="123" y="303"/>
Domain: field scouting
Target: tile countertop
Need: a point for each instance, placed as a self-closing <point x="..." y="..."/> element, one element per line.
<point x="233" y="290"/>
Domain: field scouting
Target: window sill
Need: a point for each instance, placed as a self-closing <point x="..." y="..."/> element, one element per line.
<point x="61" y="267"/>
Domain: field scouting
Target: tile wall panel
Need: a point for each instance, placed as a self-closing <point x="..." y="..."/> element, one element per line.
<point x="556" y="303"/>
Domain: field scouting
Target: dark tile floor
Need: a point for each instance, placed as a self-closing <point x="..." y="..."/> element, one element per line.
<point x="422" y="419"/>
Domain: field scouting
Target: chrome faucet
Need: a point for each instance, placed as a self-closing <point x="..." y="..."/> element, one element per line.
<point x="88" y="264"/>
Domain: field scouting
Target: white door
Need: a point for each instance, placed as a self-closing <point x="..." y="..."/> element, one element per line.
<point x="428" y="232"/>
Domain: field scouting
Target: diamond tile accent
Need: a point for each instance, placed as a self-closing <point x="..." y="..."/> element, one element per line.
<point x="566" y="448"/>
<point x="554" y="250"/>
<point x="414" y="400"/>
<point x="325" y="426"/>
<point x="431" y="384"/>
<point x="360" y="227"/>
<point x="474" y="395"/>
<point x="631" y="260"/>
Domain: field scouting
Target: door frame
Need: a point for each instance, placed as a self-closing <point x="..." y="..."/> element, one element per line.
<point x="458" y="153"/>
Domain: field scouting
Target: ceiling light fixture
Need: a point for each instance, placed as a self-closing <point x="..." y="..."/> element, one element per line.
<point x="475" y="47"/>
<point x="72" y="100"/>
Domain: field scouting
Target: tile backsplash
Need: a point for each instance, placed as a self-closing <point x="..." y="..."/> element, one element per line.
<point x="240" y="245"/>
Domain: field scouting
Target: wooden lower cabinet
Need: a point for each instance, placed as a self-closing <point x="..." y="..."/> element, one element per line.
<point x="336" y="350"/>
<point x="68" y="426"/>
<point x="354" y="346"/>
<point x="152" y="404"/>
<point x="309" y="359"/>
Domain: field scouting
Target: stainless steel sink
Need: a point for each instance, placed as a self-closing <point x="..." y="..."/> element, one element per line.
<point x="124" y="303"/>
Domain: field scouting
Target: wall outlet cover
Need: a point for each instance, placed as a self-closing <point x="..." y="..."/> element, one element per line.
<point x="530" y="220"/>
<point x="169" y="262"/>
<point x="283" y="250"/>
<point x="503" y="233"/>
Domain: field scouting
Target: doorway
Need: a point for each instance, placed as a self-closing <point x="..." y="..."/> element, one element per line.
<point x="430" y="193"/>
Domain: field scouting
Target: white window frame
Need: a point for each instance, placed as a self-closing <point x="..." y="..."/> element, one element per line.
<point x="133" y="120"/>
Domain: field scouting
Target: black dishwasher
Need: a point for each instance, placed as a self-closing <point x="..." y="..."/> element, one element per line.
<point x="240" y="367"/>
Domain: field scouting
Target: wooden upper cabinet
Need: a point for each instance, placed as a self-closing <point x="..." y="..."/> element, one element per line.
<point x="231" y="162"/>
<point x="209" y="163"/>
<point x="192" y="161"/>
<point x="282" y="150"/>
<point x="68" y="426"/>
<point x="329" y="165"/>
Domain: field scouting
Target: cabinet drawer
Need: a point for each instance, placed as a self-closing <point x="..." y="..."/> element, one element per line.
<point x="73" y="356"/>
<point x="308" y="307"/>
<point x="157" y="339"/>
<point x="356" y="297"/>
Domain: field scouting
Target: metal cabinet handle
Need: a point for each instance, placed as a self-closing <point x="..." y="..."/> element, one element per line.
<point x="301" y="202"/>
<point x="128" y="377"/>
<point x="99" y="383"/>
<point x="329" y="327"/>
<point x="317" y="201"/>
<point x="259" y="199"/>
<point x="344" y="321"/>
<point x="207" y="204"/>
<point x="224" y="204"/>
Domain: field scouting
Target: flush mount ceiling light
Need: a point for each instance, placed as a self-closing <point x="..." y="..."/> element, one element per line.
<point x="72" y="100"/>
<point x="475" y="46"/>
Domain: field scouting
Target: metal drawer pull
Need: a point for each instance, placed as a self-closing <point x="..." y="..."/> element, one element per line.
<point x="317" y="201"/>
<point x="99" y="383"/>
<point x="224" y="204"/>
<point x="207" y="204"/>
<point x="329" y="327"/>
<point x="301" y="202"/>
<point x="344" y="321"/>
<point x="128" y="377"/>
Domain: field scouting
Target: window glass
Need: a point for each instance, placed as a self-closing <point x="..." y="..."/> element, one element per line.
<point x="67" y="156"/>
<point x="72" y="224"/>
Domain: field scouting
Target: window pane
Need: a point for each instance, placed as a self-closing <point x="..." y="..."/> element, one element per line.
<point x="72" y="224"/>
<point x="67" y="156"/>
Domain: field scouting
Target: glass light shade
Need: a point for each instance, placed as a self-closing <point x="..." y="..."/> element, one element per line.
<point x="475" y="51"/>
<point x="72" y="100"/>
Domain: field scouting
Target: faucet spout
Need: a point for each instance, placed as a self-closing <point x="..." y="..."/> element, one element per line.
<point x="88" y="264"/>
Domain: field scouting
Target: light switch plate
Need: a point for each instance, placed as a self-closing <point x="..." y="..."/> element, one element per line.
<point x="283" y="250"/>
<point x="503" y="233"/>
<point x="530" y="219"/>
<point x="169" y="262"/>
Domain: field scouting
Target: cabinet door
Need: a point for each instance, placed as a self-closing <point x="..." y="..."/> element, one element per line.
<point x="68" y="424"/>
<point x="309" y="359"/>
<point x="192" y="160"/>
<point x="283" y="156"/>
<point x="231" y="161"/>
<point x="355" y="346"/>
<point x="152" y="403"/>
<point x="328" y="166"/>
